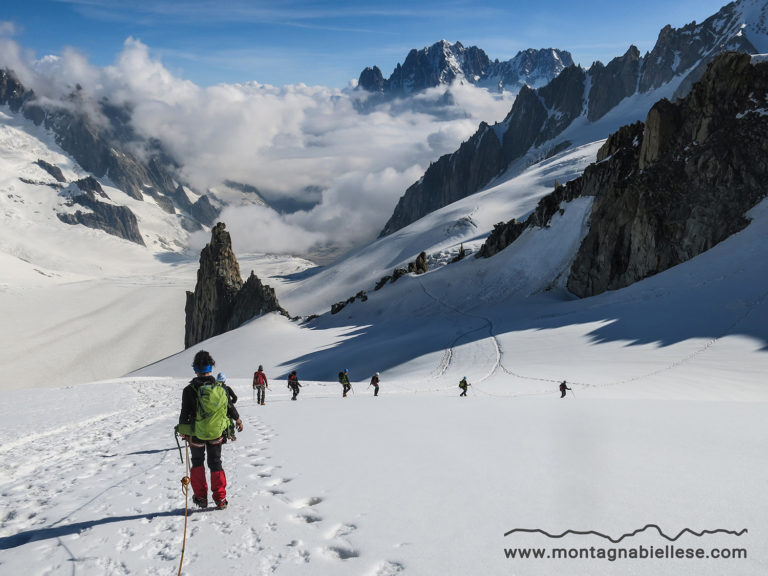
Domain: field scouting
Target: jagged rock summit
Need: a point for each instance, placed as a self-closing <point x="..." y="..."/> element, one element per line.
<point x="221" y="301"/>
<point x="443" y="63"/>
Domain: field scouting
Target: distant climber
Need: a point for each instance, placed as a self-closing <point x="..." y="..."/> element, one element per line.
<point x="375" y="384"/>
<point x="293" y="384"/>
<point x="260" y="384"/>
<point x="563" y="388"/>
<point x="464" y="385"/>
<point x="344" y="381"/>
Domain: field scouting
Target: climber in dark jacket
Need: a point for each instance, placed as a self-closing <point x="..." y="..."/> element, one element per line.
<point x="203" y="365"/>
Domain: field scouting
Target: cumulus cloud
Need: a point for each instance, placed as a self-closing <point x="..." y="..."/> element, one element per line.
<point x="360" y="156"/>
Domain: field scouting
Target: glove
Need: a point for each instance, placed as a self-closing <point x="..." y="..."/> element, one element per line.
<point x="239" y="425"/>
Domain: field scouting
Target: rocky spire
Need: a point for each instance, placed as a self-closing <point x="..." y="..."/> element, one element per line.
<point x="221" y="301"/>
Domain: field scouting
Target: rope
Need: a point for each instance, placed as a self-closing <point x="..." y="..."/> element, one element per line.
<point x="185" y="491"/>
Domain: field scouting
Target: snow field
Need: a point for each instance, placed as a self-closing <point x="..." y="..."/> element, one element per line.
<point x="407" y="482"/>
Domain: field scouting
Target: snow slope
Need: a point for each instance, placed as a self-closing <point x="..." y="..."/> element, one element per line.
<point x="665" y="423"/>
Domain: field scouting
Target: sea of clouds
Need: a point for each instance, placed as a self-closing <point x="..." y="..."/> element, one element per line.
<point x="339" y="155"/>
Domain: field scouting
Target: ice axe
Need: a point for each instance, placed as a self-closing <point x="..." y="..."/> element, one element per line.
<point x="176" y="435"/>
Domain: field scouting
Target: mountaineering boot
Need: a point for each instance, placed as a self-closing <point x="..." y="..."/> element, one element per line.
<point x="221" y="504"/>
<point x="219" y="486"/>
<point x="199" y="486"/>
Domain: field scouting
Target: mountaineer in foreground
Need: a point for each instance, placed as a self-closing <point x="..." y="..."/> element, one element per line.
<point x="206" y="411"/>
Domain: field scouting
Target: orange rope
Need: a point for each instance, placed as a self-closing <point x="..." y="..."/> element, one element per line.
<point x="185" y="490"/>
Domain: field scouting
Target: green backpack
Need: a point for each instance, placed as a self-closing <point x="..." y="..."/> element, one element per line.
<point x="211" y="420"/>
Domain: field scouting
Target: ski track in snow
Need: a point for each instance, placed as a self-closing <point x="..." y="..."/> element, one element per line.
<point x="65" y="501"/>
<point x="449" y="353"/>
<point x="497" y="353"/>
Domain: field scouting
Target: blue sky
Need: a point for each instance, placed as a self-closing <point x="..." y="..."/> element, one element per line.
<point x="329" y="43"/>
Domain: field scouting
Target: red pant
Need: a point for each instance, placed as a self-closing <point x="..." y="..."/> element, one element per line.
<point x="198" y="448"/>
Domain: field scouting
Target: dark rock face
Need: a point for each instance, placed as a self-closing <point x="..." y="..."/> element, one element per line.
<point x="371" y="80"/>
<point x="443" y="62"/>
<point x="451" y="178"/>
<point x="115" y="220"/>
<point x="700" y="166"/>
<point x="565" y="97"/>
<point x="204" y="211"/>
<point x="12" y="92"/>
<point x="54" y="171"/>
<point x="221" y="301"/>
<point x="418" y="266"/>
<point x="538" y="117"/>
<point x="612" y="83"/>
<point x="91" y="185"/>
<point x="253" y="299"/>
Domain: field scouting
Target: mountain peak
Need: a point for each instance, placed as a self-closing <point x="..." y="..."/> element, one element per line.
<point x="444" y="62"/>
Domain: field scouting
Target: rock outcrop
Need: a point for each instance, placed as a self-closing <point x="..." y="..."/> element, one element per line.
<point x="221" y="301"/>
<point x="54" y="171"/>
<point x="253" y="299"/>
<point x="89" y="184"/>
<point x="113" y="219"/>
<point x="692" y="174"/>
